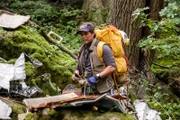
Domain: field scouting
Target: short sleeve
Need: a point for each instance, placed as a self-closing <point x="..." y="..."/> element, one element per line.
<point x="108" y="57"/>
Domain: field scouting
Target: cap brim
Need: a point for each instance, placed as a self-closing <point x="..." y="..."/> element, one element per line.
<point x="82" y="30"/>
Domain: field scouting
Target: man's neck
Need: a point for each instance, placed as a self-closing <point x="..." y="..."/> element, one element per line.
<point x="88" y="45"/>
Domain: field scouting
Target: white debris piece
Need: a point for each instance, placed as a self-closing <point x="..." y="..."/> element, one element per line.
<point x="12" y="21"/>
<point x="19" y="68"/>
<point x="5" y="110"/>
<point x="144" y="112"/>
<point x="6" y="74"/>
<point x="9" y="72"/>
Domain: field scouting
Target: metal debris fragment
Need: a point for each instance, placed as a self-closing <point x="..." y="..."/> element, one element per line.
<point x="12" y="21"/>
<point x="5" y="110"/>
<point x="144" y="112"/>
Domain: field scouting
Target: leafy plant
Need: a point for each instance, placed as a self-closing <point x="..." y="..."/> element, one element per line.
<point x="159" y="98"/>
<point x="164" y="37"/>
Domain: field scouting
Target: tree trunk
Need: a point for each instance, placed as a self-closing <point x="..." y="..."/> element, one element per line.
<point x="121" y="17"/>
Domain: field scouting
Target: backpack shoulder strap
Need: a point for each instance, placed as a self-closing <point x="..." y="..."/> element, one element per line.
<point x="100" y="50"/>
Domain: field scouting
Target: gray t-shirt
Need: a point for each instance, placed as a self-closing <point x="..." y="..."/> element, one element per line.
<point x="108" y="56"/>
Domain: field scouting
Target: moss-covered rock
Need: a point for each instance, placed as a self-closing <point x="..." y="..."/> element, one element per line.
<point x="167" y="70"/>
<point x="78" y="114"/>
<point x="85" y="114"/>
<point x="55" y="62"/>
<point x="44" y="82"/>
<point x="32" y="116"/>
<point x="17" y="109"/>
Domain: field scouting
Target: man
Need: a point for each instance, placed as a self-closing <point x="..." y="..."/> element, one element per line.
<point x="90" y="70"/>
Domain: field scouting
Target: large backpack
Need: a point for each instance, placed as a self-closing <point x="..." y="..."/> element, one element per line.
<point x="112" y="36"/>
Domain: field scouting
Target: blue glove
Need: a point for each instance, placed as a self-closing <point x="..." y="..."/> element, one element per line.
<point x="91" y="80"/>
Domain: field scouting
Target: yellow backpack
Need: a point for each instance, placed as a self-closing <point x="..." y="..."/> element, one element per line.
<point x="111" y="36"/>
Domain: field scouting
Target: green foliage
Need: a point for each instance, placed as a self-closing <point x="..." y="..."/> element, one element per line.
<point x="164" y="37"/>
<point x="161" y="100"/>
<point x="169" y="110"/>
<point x="158" y="96"/>
<point x="164" y="46"/>
<point x="63" y="21"/>
<point x="39" y="11"/>
<point x="172" y="10"/>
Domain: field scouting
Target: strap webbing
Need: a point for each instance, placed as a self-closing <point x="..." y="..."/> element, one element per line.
<point x="115" y="82"/>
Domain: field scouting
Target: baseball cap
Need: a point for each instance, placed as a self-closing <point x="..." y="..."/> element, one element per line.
<point x="86" y="27"/>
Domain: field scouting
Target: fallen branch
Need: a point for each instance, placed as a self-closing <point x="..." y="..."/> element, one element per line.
<point x="161" y="65"/>
<point x="52" y="41"/>
<point x="55" y="43"/>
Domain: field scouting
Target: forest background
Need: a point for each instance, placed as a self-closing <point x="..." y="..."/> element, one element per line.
<point x="153" y="27"/>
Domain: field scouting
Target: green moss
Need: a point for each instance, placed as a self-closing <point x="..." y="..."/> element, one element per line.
<point x="166" y="68"/>
<point x="11" y="61"/>
<point x="46" y="114"/>
<point x="19" y="109"/>
<point x="32" y="116"/>
<point x="115" y="115"/>
<point x="86" y="114"/>
<point x="30" y="70"/>
<point x="55" y="62"/>
<point x="50" y="112"/>
<point x="47" y="87"/>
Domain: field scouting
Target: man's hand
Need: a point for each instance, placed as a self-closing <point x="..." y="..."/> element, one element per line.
<point x="83" y="82"/>
<point x="76" y="78"/>
<point x="91" y="81"/>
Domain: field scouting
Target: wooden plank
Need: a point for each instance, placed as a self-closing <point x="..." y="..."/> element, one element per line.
<point x="44" y="101"/>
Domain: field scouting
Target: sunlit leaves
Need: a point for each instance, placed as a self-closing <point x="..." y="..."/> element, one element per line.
<point x="164" y="36"/>
<point x="172" y="10"/>
<point x="165" y="46"/>
<point x="139" y="13"/>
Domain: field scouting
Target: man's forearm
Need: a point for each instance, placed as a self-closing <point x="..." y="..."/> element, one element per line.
<point x="107" y="71"/>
